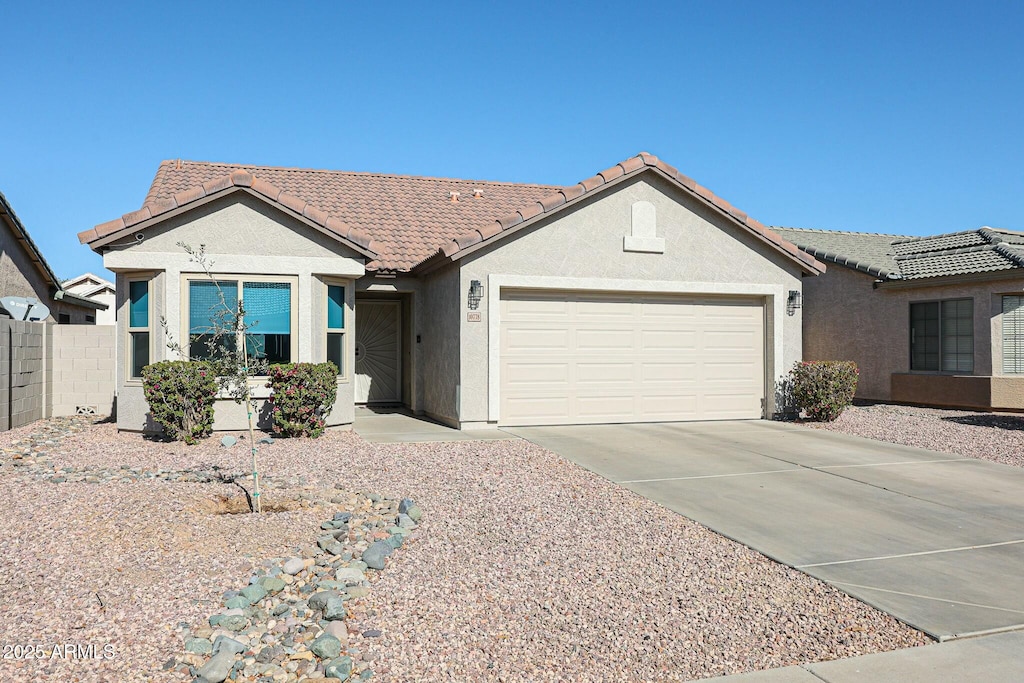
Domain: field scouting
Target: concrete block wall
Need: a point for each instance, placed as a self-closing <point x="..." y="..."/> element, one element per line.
<point x="83" y="365"/>
<point x="23" y="377"/>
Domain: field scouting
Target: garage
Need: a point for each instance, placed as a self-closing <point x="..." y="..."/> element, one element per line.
<point x="570" y="357"/>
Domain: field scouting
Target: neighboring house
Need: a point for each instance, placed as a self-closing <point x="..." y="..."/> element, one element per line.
<point x="98" y="289"/>
<point x="634" y="296"/>
<point x="935" y="320"/>
<point x="25" y="273"/>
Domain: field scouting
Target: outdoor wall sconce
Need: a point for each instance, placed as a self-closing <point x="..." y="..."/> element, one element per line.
<point x="476" y="293"/>
<point x="793" y="302"/>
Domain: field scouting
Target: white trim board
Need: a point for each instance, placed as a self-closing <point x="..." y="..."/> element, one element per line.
<point x="775" y="297"/>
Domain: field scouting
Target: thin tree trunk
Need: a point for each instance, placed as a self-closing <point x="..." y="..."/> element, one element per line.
<point x="258" y="507"/>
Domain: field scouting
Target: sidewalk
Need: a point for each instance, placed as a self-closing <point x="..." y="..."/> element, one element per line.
<point x="997" y="658"/>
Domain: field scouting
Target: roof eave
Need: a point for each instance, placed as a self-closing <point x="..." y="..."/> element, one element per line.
<point x="960" y="278"/>
<point x="851" y="263"/>
<point x="76" y="300"/>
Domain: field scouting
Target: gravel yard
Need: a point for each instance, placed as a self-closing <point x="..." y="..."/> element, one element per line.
<point x="998" y="437"/>
<point x="525" y="568"/>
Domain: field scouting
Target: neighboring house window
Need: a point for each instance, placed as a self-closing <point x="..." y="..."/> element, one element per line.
<point x="64" y="318"/>
<point x="269" y="306"/>
<point x="336" y="326"/>
<point x="90" y="319"/>
<point x="1013" y="334"/>
<point x="138" y="327"/>
<point x="942" y="335"/>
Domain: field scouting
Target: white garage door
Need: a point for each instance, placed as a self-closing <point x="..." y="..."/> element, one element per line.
<point x="585" y="358"/>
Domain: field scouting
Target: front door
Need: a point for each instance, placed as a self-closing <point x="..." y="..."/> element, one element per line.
<point x="378" y="352"/>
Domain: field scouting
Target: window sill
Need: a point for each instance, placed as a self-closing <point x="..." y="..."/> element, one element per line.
<point x="947" y="373"/>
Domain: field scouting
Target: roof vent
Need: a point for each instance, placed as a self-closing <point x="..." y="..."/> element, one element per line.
<point x="478" y="193"/>
<point x="454" y="196"/>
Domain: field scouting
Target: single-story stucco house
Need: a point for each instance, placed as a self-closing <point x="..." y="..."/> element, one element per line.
<point x="24" y="273"/>
<point x="935" y="320"/>
<point x="635" y="295"/>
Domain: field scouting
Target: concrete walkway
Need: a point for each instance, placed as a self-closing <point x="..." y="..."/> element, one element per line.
<point x="992" y="659"/>
<point x="398" y="425"/>
<point x="934" y="539"/>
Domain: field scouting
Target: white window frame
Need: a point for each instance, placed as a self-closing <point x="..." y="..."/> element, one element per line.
<point x="239" y="279"/>
<point x="343" y="377"/>
<point x="129" y="330"/>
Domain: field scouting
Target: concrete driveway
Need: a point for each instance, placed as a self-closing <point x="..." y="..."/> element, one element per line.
<point x="934" y="539"/>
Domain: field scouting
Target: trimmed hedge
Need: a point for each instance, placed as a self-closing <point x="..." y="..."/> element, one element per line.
<point x="823" y="388"/>
<point x="303" y="395"/>
<point x="180" y="396"/>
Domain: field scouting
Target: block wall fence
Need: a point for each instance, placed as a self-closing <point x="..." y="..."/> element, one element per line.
<point x="49" y="370"/>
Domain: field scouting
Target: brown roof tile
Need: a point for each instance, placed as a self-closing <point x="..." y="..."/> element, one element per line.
<point x="592" y="183"/>
<point x="296" y="204"/>
<point x="266" y="189"/>
<point x="633" y="164"/>
<point x="552" y="201"/>
<point x="511" y="220"/>
<point x="573" y="191"/>
<point x="531" y="210"/>
<point x="490" y="230"/>
<point x="217" y="184"/>
<point x="190" y="195"/>
<point x="610" y="174"/>
<point x="136" y="217"/>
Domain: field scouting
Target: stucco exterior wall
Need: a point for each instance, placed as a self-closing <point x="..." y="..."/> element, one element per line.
<point x="583" y="248"/>
<point x="847" y="318"/>
<point x="441" y="332"/>
<point x="242" y="236"/>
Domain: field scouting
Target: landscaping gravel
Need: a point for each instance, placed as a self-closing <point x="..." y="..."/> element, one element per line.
<point x="524" y="567"/>
<point x="998" y="437"/>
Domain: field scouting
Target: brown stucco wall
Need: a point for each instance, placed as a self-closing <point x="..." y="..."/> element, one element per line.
<point x="957" y="391"/>
<point x="847" y="318"/>
<point x="19" y="276"/>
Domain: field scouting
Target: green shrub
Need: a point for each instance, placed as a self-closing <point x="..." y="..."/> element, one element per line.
<point x="303" y="395"/>
<point x="823" y="388"/>
<point x="180" y="396"/>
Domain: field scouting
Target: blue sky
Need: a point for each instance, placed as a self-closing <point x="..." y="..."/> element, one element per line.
<point x="883" y="117"/>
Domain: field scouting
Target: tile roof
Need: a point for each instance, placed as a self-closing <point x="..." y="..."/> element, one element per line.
<point x="900" y="257"/>
<point x="412" y="220"/>
<point x="408" y="216"/>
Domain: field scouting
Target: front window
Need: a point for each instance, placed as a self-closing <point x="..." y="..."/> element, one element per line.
<point x="138" y="327"/>
<point x="942" y="335"/>
<point x="268" y="304"/>
<point x="336" y="326"/>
